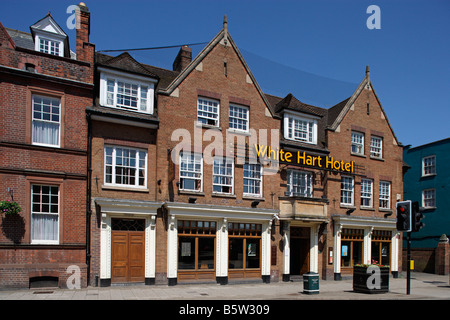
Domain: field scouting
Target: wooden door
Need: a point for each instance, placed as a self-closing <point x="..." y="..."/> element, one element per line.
<point x="127" y="256"/>
<point x="304" y="256"/>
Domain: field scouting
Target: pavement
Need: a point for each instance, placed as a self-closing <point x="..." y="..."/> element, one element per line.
<point x="424" y="286"/>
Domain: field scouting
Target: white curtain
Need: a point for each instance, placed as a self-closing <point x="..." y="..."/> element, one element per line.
<point x="45" y="227"/>
<point x="46" y="132"/>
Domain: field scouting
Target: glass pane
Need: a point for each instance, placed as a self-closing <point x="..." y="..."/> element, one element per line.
<point x="206" y="253"/>
<point x="186" y="253"/>
<point x="235" y="254"/>
<point x="253" y="253"/>
<point x="357" y="252"/>
<point x="385" y="253"/>
<point x="345" y="253"/>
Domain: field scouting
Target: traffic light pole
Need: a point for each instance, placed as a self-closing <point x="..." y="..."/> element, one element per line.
<point x="408" y="270"/>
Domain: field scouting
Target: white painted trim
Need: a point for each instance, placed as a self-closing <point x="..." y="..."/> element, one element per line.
<point x="114" y="208"/>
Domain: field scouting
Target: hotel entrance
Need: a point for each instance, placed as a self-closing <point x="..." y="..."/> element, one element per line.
<point x="299" y="250"/>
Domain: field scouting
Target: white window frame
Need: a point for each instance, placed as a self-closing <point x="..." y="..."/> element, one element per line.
<point x="234" y="114"/>
<point x="376" y="151"/>
<point x="193" y="159"/>
<point x="384" y="195"/>
<point x="109" y="98"/>
<point x="347" y="190"/>
<point x="35" y="120"/>
<point x="429" y="164"/>
<point x="357" y="142"/>
<point x="252" y="181"/>
<point x="40" y="212"/>
<point x="59" y="42"/>
<point x="367" y="193"/>
<point x="289" y="124"/>
<point x="205" y="115"/>
<point x="300" y="180"/>
<point x="223" y="169"/>
<point x="429" y="198"/>
<point x="114" y="166"/>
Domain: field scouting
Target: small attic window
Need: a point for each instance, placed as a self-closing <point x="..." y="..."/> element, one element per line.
<point x="50" y="46"/>
<point x="49" y="38"/>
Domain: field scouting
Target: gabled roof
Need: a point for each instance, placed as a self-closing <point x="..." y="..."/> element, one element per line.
<point x="124" y="62"/>
<point x="222" y="37"/>
<point x="337" y="113"/>
<point x="49" y="26"/>
<point x="292" y="103"/>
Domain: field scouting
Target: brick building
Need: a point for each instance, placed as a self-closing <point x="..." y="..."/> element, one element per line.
<point x="362" y="205"/>
<point x="44" y="90"/>
<point x="219" y="201"/>
<point x="124" y="202"/>
<point x="190" y="174"/>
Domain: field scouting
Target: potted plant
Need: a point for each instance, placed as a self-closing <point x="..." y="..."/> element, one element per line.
<point x="9" y="207"/>
<point x="371" y="278"/>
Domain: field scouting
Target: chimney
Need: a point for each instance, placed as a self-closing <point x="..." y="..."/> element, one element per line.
<point x="83" y="20"/>
<point x="183" y="58"/>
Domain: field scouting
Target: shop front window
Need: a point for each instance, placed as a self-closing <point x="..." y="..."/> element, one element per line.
<point x="196" y="245"/>
<point x="381" y="247"/>
<point x="352" y="243"/>
<point x="244" y="246"/>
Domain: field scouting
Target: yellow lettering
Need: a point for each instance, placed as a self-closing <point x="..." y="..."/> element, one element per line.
<point x="258" y="151"/>
<point x="303" y="157"/>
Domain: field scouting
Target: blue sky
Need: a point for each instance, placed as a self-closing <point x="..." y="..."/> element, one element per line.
<point x="316" y="50"/>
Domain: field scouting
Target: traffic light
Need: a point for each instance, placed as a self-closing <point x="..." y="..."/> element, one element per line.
<point x="417" y="216"/>
<point x="404" y="215"/>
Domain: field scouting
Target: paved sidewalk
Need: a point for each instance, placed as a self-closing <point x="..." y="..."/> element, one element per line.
<point x="423" y="287"/>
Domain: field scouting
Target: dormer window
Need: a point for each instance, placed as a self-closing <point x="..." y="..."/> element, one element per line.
<point x="300" y="128"/>
<point x="50" y="46"/>
<point x="50" y="38"/>
<point x="126" y="91"/>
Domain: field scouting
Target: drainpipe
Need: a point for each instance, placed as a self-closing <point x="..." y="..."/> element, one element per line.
<point x="88" y="200"/>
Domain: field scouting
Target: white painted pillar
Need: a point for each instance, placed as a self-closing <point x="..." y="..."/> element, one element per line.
<point x="314" y="249"/>
<point x="172" y="239"/>
<point x="150" y="246"/>
<point x="105" y="247"/>
<point x="265" y="250"/>
<point x="367" y="249"/>
<point x="395" y="250"/>
<point x="222" y="248"/>
<point x="286" y="247"/>
<point x="337" y="248"/>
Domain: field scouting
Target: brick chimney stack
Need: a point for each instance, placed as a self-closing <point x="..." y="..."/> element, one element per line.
<point x="183" y="59"/>
<point x="83" y="19"/>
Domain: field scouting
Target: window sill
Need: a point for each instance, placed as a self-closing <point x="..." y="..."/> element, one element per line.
<point x="207" y="126"/>
<point x="239" y="132"/>
<point x="358" y="155"/>
<point x="376" y="158"/>
<point x="385" y="210"/>
<point x="347" y="206"/>
<point x="367" y="208"/>
<point x="191" y="192"/>
<point x="250" y="197"/>
<point x="223" y="195"/>
<point x="120" y="188"/>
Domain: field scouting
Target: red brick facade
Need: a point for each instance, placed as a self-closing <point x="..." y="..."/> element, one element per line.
<point x="129" y="211"/>
<point x="27" y="73"/>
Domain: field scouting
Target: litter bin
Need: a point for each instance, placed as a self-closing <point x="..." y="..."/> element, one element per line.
<point x="311" y="283"/>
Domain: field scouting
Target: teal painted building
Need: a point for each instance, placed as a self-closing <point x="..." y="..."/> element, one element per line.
<point x="427" y="180"/>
